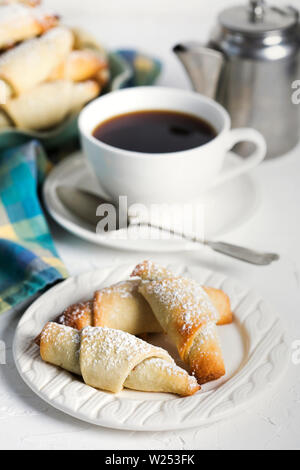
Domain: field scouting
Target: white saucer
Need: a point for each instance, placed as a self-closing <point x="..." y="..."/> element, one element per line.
<point x="226" y="207"/>
<point x="255" y="348"/>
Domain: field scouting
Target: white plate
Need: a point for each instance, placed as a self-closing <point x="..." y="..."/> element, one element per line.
<point x="225" y="207"/>
<point x="255" y="349"/>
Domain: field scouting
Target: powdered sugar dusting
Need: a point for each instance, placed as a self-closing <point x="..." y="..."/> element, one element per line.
<point x="208" y="331"/>
<point x="209" y="354"/>
<point x="31" y="49"/>
<point x="60" y="333"/>
<point x="112" y="346"/>
<point x="192" y="303"/>
<point x="151" y="271"/>
<point x="111" y="351"/>
<point x="154" y="270"/>
<point x="171" y="369"/>
<point x="123" y="289"/>
<point x="77" y="313"/>
<point x="19" y="12"/>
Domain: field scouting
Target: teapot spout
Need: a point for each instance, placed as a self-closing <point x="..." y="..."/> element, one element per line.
<point x="203" y="66"/>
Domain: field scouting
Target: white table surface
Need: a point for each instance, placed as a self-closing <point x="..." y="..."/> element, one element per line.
<point x="273" y="421"/>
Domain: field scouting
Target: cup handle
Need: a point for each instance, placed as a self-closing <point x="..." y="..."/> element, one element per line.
<point x="244" y="135"/>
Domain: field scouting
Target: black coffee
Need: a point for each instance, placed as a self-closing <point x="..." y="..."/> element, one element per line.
<point x="155" y="131"/>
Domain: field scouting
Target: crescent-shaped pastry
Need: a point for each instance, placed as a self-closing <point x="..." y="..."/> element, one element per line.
<point x="80" y="66"/>
<point x="50" y="103"/>
<point x="31" y="63"/>
<point x="20" y="22"/>
<point x="111" y="360"/>
<point x="187" y="315"/>
<point x="151" y="271"/>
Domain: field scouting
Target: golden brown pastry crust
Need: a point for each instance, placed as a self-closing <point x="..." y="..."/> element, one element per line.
<point x="148" y="270"/>
<point x="77" y="316"/>
<point x="189" y="318"/>
<point x="181" y="307"/>
<point x="204" y="356"/>
<point x="20" y="22"/>
<point x="122" y="307"/>
<point x="222" y="303"/>
<point x="80" y="65"/>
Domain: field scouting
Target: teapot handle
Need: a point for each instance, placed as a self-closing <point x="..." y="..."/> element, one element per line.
<point x="237" y="136"/>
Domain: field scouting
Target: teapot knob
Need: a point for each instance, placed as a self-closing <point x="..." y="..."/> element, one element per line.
<point x="257" y="10"/>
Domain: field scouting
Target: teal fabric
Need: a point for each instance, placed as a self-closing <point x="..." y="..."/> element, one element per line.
<point x="28" y="258"/>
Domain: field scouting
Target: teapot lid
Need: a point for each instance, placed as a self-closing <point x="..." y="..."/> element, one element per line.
<point x="258" y="18"/>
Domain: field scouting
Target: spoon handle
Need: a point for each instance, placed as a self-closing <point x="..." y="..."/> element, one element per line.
<point x="234" y="251"/>
<point x="243" y="254"/>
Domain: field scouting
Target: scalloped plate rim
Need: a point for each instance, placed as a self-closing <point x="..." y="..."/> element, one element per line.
<point x="164" y="425"/>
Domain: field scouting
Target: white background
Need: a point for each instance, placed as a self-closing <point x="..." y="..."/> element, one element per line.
<point x="273" y="421"/>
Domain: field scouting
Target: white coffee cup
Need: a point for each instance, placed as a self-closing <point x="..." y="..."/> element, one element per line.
<point x="167" y="177"/>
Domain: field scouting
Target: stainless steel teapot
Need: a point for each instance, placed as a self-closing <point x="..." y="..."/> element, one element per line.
<point x="249" y="66"/>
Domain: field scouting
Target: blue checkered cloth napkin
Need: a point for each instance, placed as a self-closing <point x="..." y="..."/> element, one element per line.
<point x="28" y="258"/>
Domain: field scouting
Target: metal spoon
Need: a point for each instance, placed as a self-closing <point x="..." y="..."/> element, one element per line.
<point x="84" y="205"/>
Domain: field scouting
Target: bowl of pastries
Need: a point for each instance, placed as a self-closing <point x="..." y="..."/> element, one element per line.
<point x="48" y="73"/>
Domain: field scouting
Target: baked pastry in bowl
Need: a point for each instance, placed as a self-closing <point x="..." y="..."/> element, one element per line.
<point x="48" y="72"/>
